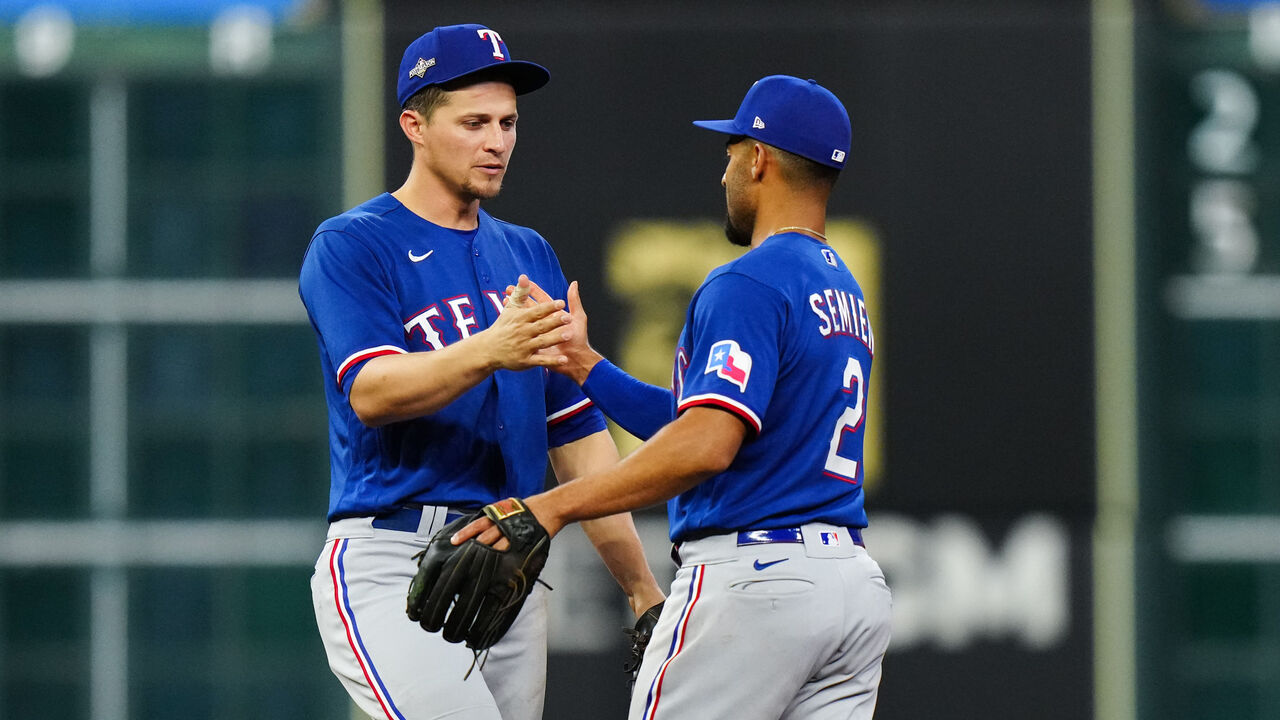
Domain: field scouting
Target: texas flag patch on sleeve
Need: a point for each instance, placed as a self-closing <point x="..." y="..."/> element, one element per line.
<point x="730" y="362"/>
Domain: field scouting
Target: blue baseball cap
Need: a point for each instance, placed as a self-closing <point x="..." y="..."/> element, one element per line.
<point x="799" y="116"/>
<point x="451" y="52"/>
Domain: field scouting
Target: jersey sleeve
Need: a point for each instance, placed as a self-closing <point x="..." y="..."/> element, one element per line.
<point x="735" y="336"/>
<point x="638" y="407"/>
<point x="350" y="302"/>
<point x="570" y="414"/>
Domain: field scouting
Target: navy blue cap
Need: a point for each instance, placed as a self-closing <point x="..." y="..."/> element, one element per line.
<point x="799" y="116"/>
<point x="456" y="51"/>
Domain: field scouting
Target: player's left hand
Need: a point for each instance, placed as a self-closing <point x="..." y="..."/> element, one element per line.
<point x="472" y="593"/>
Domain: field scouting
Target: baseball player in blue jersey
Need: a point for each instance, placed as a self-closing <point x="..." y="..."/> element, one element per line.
<point x="438" y="393"/>
<point x="776" y="610"/>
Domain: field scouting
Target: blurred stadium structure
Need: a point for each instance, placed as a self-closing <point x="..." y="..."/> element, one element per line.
<point x="1068" y="212"/>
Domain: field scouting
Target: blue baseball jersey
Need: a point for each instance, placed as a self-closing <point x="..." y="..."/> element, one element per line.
<point x="779" y="337"/>
<point x="379" y="280"/>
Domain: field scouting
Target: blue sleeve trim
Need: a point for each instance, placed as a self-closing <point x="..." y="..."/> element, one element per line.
<point x="640" y="408"/>
<point x="587" y="421"/>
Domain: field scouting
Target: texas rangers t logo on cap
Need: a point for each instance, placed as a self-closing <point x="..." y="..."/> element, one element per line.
<point x="496" y="39"/>
<point x="730" y="362"/>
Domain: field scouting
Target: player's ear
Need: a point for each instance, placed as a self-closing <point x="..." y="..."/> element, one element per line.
<point x="759" y="157"/>
<point x="411" y="123"/>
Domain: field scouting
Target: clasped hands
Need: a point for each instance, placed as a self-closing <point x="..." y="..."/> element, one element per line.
<point x="528" y="329"/>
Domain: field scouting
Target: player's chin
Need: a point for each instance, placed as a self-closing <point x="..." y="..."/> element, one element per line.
<point x="735" y="234"/>
<point x="484" y="189"/>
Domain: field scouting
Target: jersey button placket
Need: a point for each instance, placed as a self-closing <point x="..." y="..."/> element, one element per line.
<point x="483" y="271"/>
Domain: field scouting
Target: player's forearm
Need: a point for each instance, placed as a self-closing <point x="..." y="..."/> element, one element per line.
<point x="392" y="388"/>
<point x="618" y="545"/>
<point x="698" y="445"/>
<point x="640" y="408"/>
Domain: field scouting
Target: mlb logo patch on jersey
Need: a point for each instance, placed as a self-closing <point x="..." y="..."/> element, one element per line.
<point x="830" y="538"/>
<point x="730" y="362"/>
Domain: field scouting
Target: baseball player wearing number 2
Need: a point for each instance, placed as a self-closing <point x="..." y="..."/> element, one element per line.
<point x="776" y="610"/>
<point x="438" y="393"/>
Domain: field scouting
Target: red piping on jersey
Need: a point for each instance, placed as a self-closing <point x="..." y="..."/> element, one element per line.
<point x="558" y="417"/>
<point x="361" y="357"/>
<point x="725" y="406"/>
<point x="841" y="478"/>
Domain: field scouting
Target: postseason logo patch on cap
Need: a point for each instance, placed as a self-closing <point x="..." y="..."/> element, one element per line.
<point x="420" y="69"/>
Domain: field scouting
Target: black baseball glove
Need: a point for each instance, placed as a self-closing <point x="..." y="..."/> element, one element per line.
<point x="472" y="593"/>
<point x="639" y="636"/>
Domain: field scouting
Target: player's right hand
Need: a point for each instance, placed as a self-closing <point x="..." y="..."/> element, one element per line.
<point x="581" y="357"/>
<point x="522" y="332"/>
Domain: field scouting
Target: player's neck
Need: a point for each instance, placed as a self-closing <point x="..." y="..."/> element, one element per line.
<point x="780" y="206"/>
<point x="810" y="221"/>
<point x="437" y="205"/>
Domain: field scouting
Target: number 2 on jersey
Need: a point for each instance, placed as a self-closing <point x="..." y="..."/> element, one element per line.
<point x="838" y="466"/>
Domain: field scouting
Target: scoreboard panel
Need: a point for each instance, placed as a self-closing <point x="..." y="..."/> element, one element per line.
<point x="1208" y="194"/>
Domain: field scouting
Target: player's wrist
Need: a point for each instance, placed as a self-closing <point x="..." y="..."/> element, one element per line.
<point x="645" y="596"/>
<point x="581" y="364"/>
<point x="484" y="351"/>
<point x="546" y="516"/>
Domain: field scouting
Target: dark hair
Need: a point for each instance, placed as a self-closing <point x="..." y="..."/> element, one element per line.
<point x="427" y="100"/>
<point x="805" y="172"/>
<point x="796" y="169"/>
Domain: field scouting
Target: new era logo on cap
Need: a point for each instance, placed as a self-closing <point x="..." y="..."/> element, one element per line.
<point x="758" y="124"/>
